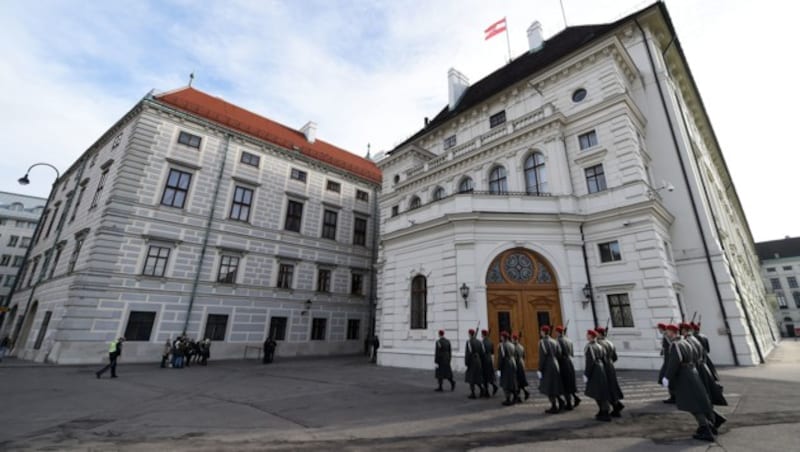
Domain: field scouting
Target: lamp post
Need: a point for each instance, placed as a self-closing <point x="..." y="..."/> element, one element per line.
<point x="465" y="294"/>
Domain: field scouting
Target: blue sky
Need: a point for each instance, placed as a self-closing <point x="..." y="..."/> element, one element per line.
<point x="367" y="72"/>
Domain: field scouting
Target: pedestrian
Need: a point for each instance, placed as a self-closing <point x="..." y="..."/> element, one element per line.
<point x="507" y="366"/>
<point x="5" y="344"/>
<point x="205" y="351"/>
<point x="376" y="344"/>
<point x="594" y="376"/>
<point x="690" y="394"/>
<point x="114" y="350"/>
<point x="177" y="353"/>
<point x="165" y="353"/>
<point x="567" y="369"/>
<point x="519" y="360"/>
<point x="488" y="362"/>
<point x="548" y="373"/>
<point x="611" y="372"/>
<point x="473" y="359"/>
<point x="662" y="328"/>
<point x="269" y="350"/>
<point x="442" y="355"/>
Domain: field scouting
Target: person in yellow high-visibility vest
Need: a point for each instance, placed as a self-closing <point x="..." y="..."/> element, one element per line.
<point x="114" y="350"/>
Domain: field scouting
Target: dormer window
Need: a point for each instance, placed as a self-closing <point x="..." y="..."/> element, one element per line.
<point x="497" y="119"/>
<point x="449" y="142"/>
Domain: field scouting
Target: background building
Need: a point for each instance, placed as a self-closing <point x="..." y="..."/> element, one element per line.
<point x="18" y="217"/>
<point x="581" y="183"/>
<point x="193" y="215"/>
<point x="780" y="268"/>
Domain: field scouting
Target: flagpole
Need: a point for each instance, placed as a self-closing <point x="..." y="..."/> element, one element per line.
<point x="508" y="41"/>
<point x="563" y="14"/>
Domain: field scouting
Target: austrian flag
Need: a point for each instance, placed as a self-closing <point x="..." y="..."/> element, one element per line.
<point x="495" y="28"/>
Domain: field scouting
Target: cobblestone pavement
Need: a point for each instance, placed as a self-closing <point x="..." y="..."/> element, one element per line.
<point x="346" y="404"/>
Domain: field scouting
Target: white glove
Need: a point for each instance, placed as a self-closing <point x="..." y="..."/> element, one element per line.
<point x="665" y="382"/>
<point x="585" y="380"/>
<point x="538" y="375"/>
<point x="497" y="372"/>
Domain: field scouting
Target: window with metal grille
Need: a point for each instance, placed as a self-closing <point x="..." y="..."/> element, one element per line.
<point x="156" y="262"/>
<point x="587" y="139"/>
<point x="329" y="219"/>
<point x="176" y="189"/>
<point x="419" y="303"/>
<point x="78" y="202"/>
<point x="53" y="220"/>
<point x="620" y="308"/>
<point x="609" y="252"/>
<point x="42" y="330"/>
<point x="285" y="274"/>
<point x="294" y="216"/>
<point x="334" y="186"/>
<point x="250" y="159"/>
<point x="356" y="284"/>
<point x="535" y="175"/>
<point x="792" y="282"/>
<point x="216" y="324"/>
<point x="188" y="139"/>
<point x="323" y="280"/>
<point x="73" y="259"/>
<point x="353" y="329"/>
<point x="242" y="201"/>
<point x="140" y="325"/>
<point x="100" y="184"/>
<point x="228" y="267"/>
<point x="776" y="283"/>
<point x="318" y="329"/>
<point x="497" y="119"/>
<point x="359" y="231"/>
<point x="595" y="179"/>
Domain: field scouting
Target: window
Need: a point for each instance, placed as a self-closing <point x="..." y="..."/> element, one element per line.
<point x="12" y="240"/>
<point x="176" y="189"/>
<point x="359" y="231"/>
<point x="595" y="179"/>
<point x="156" y="262"/>
<point x="323" y="280"/>
<point x="277" y="328"/>
<point x="59" y="249"/>
<point x="329" y="219"/>
<point x="294" y="216"/>
<point x="48" y="255"/>
<point x="140" y="325"/>
<point x="396" y="178"/>
<point x="318" y="329"/>
<point x="285" y="273"/>
<point x="5" y="260"/>
<point x="100" y="184"/>
<point x="419" y="303"/>
<point x="298" y="175"/>
<point x="43" y="221"/>
<point x="77" y="203"/>
<point x="242" y="200"/>
<point x="193" y="141"/>
<point x="42" y="330"/>
<point x="781" y="300"/>
<point x="52" y="220"/>
<point x="497" y="119"/>
<point x="18" y="260"/>
<point x="796" y="296"/>
<point x="770" y="269"/>
<point x="250" y="159"/>
<point x="73" y="259"/>
<point x="26" y="242"/>
<point x="334" y="186"/>
<point x="465" y="186"/>
<point x="609" y="252"/>
<point x="117" y="141"/>
<point x="787" y="267"/>
<point x="776" y="283"/>
<point x="33" y="270"/>
<point x="361" y="195"/>
<point x="587" y="140"/>
<point x="792" y="282"/>
<point x="228" y="267"/>
<point x="415" y="203"/>
<point x="535" y="176"/>
<point x="395" y="210"/>
<point x="356" y="284"/>
<point x="216" y="324"/>
<point x="667" y="251"/>
<point x="498" y="183"/>
<point x="620" y="307"/>
<point x="578" y="95"/>
<point x="449" y="141"/>
<point x="9" y="280"/>
<point x="438" y="193"/>
<point x="353" y="328"/>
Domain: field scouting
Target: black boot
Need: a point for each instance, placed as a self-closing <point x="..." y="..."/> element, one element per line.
<point x="669" y="400"/>
<point x="719" y="420"/>
<point x="527" y="394"/>
<point x="704" y="434"/>
<point x="568" y="405"/>
<point x="494" y="389"/>
<point x="577" y="401"/>
<point x="452" y="385"/>
<point x="617" y="411"/>
<point x="552" y="409"/>
<point x="603" y="416"/>
<point x="508" y="401"/>
<point x="561" y="404"/>
<point x="472" y="391"/>
<point x="439" y="389"/>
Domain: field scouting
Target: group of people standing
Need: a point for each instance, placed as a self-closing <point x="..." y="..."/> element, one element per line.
<point x="184" y="351"/>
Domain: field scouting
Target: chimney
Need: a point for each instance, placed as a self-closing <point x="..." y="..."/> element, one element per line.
<point x="457" y="83"/>
<point x="535" y="39"/>
<point x="310" y="131"/>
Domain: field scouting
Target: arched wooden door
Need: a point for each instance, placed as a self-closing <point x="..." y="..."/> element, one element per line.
<point x="522" y="295"/>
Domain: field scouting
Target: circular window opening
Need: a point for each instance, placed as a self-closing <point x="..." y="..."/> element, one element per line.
<point x="579" y="95"/>
<point x="396" y="178"/>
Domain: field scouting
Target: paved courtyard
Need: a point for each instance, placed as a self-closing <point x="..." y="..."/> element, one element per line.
<point x="346" y="404"/>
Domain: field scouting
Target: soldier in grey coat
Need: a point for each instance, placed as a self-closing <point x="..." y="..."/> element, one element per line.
<point x="706" y="347"/>
<point x="611" y="372"/>
<point x="662" y="328"/>
<point x="473" y="359"/>
<point x="594" y="376"/>
<point x="488" y="362"/>
<point x="690" y="394"/>
<point x="442" y="356"/>
<point x="519" y="360"/>
<point x="507" y="366"/>
<point x="567" y="369"/>
<point x="549" y="374"/>
<point x="713" y="389"/>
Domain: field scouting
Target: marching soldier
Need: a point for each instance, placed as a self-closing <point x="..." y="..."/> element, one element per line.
<point x="690" y="394"/>
<point x="442" y="357"/>
<point x="594" y="376"/>
<point x="473" y="359"/>
<point x="706" y="347"/>
<point x="549" y="375"/>
<point x="488" y="362"/>
<point x="611" y="372"/>
<point x="519" y="360"/>
<point x="507" y="366"/>
<point x="662" y="328"/>
<point x="567" y="369"/>
<point x="713" y="389"/>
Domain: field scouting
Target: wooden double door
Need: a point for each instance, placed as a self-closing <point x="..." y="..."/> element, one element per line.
<point x="522" y="296"/>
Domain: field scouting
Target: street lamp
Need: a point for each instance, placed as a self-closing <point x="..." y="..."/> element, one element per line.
<point x="24" y="179"/>
<point x="587" y="295"/>
<point x="465" y="294"/>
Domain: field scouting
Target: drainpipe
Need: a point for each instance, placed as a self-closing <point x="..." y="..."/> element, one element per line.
<point x="373" y="290"/>
<point x="686" y="181"/>
<point x="588" y="276"/>
<point x="207" y="234"/>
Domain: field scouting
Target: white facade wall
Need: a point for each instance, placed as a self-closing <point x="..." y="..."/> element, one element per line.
<point x="787" y="315"/>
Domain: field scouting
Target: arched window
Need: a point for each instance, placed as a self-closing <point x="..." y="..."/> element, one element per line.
<point x="419" y="303"/>
<point x="415" y="203"/>
<point x="535" y="175"/>
<point x="465" y="186"/>
<point x="498" y="183"/>
<point x="438" y="193"/>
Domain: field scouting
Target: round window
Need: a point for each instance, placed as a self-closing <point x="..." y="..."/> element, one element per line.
<point x="579" y="95"/>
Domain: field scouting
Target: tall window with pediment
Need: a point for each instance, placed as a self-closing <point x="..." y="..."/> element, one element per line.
<point x="535" y="175"/>
<point x="419" y="303"/>
<point x="465" y="186"/>
<point x="498" y="182"/>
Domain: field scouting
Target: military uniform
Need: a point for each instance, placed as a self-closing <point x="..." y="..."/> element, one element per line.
<point x="549" y="374"/>
<point x="507" y="366"/>
<point x="595" y="377"/>
<point x="706" y="349"/>
<point x="664" y="357"/>
<point x="519" y="360"/>
<point x="611" y="372"/>
<point x="567" y="370"/>
<point x="442" y="356"/>
<point x="473" y="359"/>
<point x="488" y="362"/>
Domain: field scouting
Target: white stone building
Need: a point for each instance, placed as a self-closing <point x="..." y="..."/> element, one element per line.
<point x="193" y="215"/>
<point x="780" y="269"/>
<point x="586" y="165"/>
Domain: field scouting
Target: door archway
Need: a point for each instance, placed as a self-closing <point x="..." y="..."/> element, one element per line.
<point x="521" y="297"/>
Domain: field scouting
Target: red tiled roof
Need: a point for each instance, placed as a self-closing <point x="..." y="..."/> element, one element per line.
<point x="218" y="110"/>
